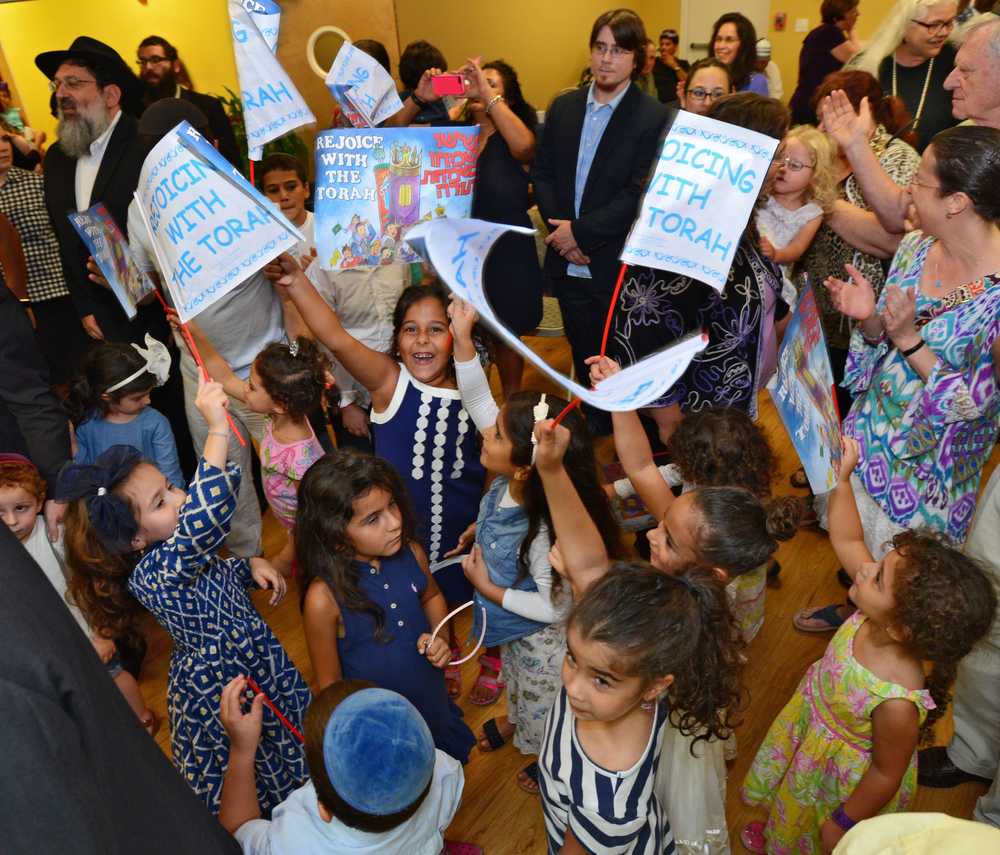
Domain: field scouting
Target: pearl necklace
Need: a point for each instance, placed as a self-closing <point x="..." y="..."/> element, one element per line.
<point x="923" y="95"/>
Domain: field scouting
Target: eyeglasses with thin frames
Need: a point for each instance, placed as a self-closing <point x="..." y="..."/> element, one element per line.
<point x="615" y="51"/>
<point x="793" y="165"/>
<point x="935" y="28"/>
<point x="152" y="60"/>
<point x="73" y="84"/>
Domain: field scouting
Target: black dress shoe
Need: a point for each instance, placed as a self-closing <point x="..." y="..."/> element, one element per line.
<point x="935" y="769"/>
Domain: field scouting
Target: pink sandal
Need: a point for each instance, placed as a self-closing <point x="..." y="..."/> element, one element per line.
<point x="455" y="847"/>
<point x="752" y="837"/>
<point x="494" y="683"/>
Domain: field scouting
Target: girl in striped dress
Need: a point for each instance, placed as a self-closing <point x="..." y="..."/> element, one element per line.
<point x="641" y="646"/>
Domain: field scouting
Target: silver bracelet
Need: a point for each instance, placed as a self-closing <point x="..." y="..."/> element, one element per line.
<point x="496" y="99"/>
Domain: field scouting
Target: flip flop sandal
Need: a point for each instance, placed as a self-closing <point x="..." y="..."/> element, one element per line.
<point x="493" y="736"/>
<point x="531" y="771"/>
<point x="453" y="675"/>
<point x="752" y="837"/>
<point x="494" y="683"/>
<point x="828" y="619"/>
<point x="456" y="847"/>
<point x="798" y="479"/>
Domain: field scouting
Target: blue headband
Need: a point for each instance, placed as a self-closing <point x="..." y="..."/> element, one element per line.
<point x="110" y="515"/>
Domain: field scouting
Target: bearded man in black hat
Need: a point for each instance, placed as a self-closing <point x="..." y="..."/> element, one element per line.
<point x="97" y="159"/>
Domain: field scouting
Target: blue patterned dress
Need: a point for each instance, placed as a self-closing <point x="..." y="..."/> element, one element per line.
<point x="202" y="601"/>
<point x="428" y="436"/>
<point x="656" y="308"/>
<point x="924" y="443"/>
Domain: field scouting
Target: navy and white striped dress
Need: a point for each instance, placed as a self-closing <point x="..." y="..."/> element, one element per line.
<point x="611" y="813"/>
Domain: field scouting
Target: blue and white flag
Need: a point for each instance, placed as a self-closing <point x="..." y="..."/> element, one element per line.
<point x="705" y="182"/>
<point x="266" y="14"/>
<point x="458" y="249"/>
<point x="363" y="87"/>
<point x="272" y="106"/>
<point x="209" y="227"/>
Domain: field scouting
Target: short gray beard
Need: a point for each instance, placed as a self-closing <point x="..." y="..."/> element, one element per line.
<point x="78" y="133"/>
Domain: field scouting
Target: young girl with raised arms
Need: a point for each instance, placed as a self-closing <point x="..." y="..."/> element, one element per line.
<point x="109" y="404"/>
<point x="369" y="601"/>
<point x="844" y="747"/>
<point x="418" y="422"/>
<point x="509" y="565"/>
<point x="803" y="191"/>
<point x="132" y="536"/>
<point x="286" y="383"/>
<point x="642" y="648"/>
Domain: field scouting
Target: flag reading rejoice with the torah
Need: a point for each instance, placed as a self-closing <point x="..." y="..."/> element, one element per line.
<point x="705" y="182"/>
<point x="457" y="248"/>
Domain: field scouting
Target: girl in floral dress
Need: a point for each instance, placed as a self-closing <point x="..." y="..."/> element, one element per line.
<point x="844" y="747"/>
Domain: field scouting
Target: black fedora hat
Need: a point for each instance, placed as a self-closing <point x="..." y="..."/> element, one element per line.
<point x="102" y="56"/>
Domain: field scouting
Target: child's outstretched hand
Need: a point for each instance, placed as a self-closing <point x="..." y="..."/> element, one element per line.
<point x="212" y="402"/>
<point x="266" y="576"/>
<point x="553" y="440"/>
<point x="601" y="367"/>
<point x="850" y="454"/>
<point x="463" y="318"/>
<point x="243" y="728"/>
<point x="438" y="652"/>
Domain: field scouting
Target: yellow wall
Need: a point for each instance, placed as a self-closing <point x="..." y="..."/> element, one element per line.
<point x="199" y="28"/>
<point x="786" y="44"/>
<point x="546" y="42"/>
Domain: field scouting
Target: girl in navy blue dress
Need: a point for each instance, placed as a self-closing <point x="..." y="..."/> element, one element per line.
<point x="369" y="600"/>
<point x="418" y="422"/>
<point x="122" y="506"/>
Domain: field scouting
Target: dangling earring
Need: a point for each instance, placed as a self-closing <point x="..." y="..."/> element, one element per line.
<point x="647" y="705"/>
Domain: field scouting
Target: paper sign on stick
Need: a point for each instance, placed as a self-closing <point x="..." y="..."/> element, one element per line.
<point x="272" y="106"/>
<point x="458" y="250"/>
<point x="363" y="87"/>
<point x="802" y="391"/>
<point x="209" y="227"/>
<point x="110" y="250"/>
<point x="706" y="179"/>
<point x="373" y="186"/>
<point x="266" y="14"/>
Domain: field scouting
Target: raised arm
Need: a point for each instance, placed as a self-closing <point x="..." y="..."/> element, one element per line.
<point x="847" y="537"/>
<point x="581" y="546"/>
<point x="377" y="372"/>
<point x="519" y="138"/>
<point x="862" y="230"/>
<point x="218" y="368"/>
<point x="477" y="398"/>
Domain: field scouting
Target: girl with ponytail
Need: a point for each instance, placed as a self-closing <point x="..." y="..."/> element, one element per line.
<point x="844" y="747"/>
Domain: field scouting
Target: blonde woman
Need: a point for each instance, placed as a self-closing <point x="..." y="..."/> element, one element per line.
<point x="910" y="55"/>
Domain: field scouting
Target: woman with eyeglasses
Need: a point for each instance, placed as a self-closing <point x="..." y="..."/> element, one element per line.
<point x="707" y="81"/>
<point x="824" y="51"/>
<point x="911" y="57"/>
<point x="734" y="43"/>
<point x="851" y="233"/>
<point x="925" y="354"/>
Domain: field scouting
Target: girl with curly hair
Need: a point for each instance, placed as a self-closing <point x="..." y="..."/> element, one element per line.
<point x="844" y="747"/>
<point x="643" y="648"/>
<point x="133" y="539"/>
<point x="286" y="384"/>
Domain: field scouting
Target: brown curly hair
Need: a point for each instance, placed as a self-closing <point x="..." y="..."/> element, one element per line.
<point x="945" y="603"/>
<point x="98" y="578"/>
<point x="723" y="448"/>
<point x="680" y="624"/>
<point x="294" y="382"/>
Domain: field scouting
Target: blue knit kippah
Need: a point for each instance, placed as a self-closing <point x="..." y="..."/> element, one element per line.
<point x="378" y="752"/>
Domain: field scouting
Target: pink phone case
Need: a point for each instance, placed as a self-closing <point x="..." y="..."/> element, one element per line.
<point x="448" y="84"/>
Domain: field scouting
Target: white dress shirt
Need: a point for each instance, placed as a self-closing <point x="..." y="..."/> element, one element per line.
<point x="88" y="166"/>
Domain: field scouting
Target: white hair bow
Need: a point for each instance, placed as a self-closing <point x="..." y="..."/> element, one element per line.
<point x="157" y="359"/>
<point x="541" y="412"/>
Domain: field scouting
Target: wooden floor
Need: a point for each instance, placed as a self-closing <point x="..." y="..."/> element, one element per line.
<point x="495" y="813"/>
